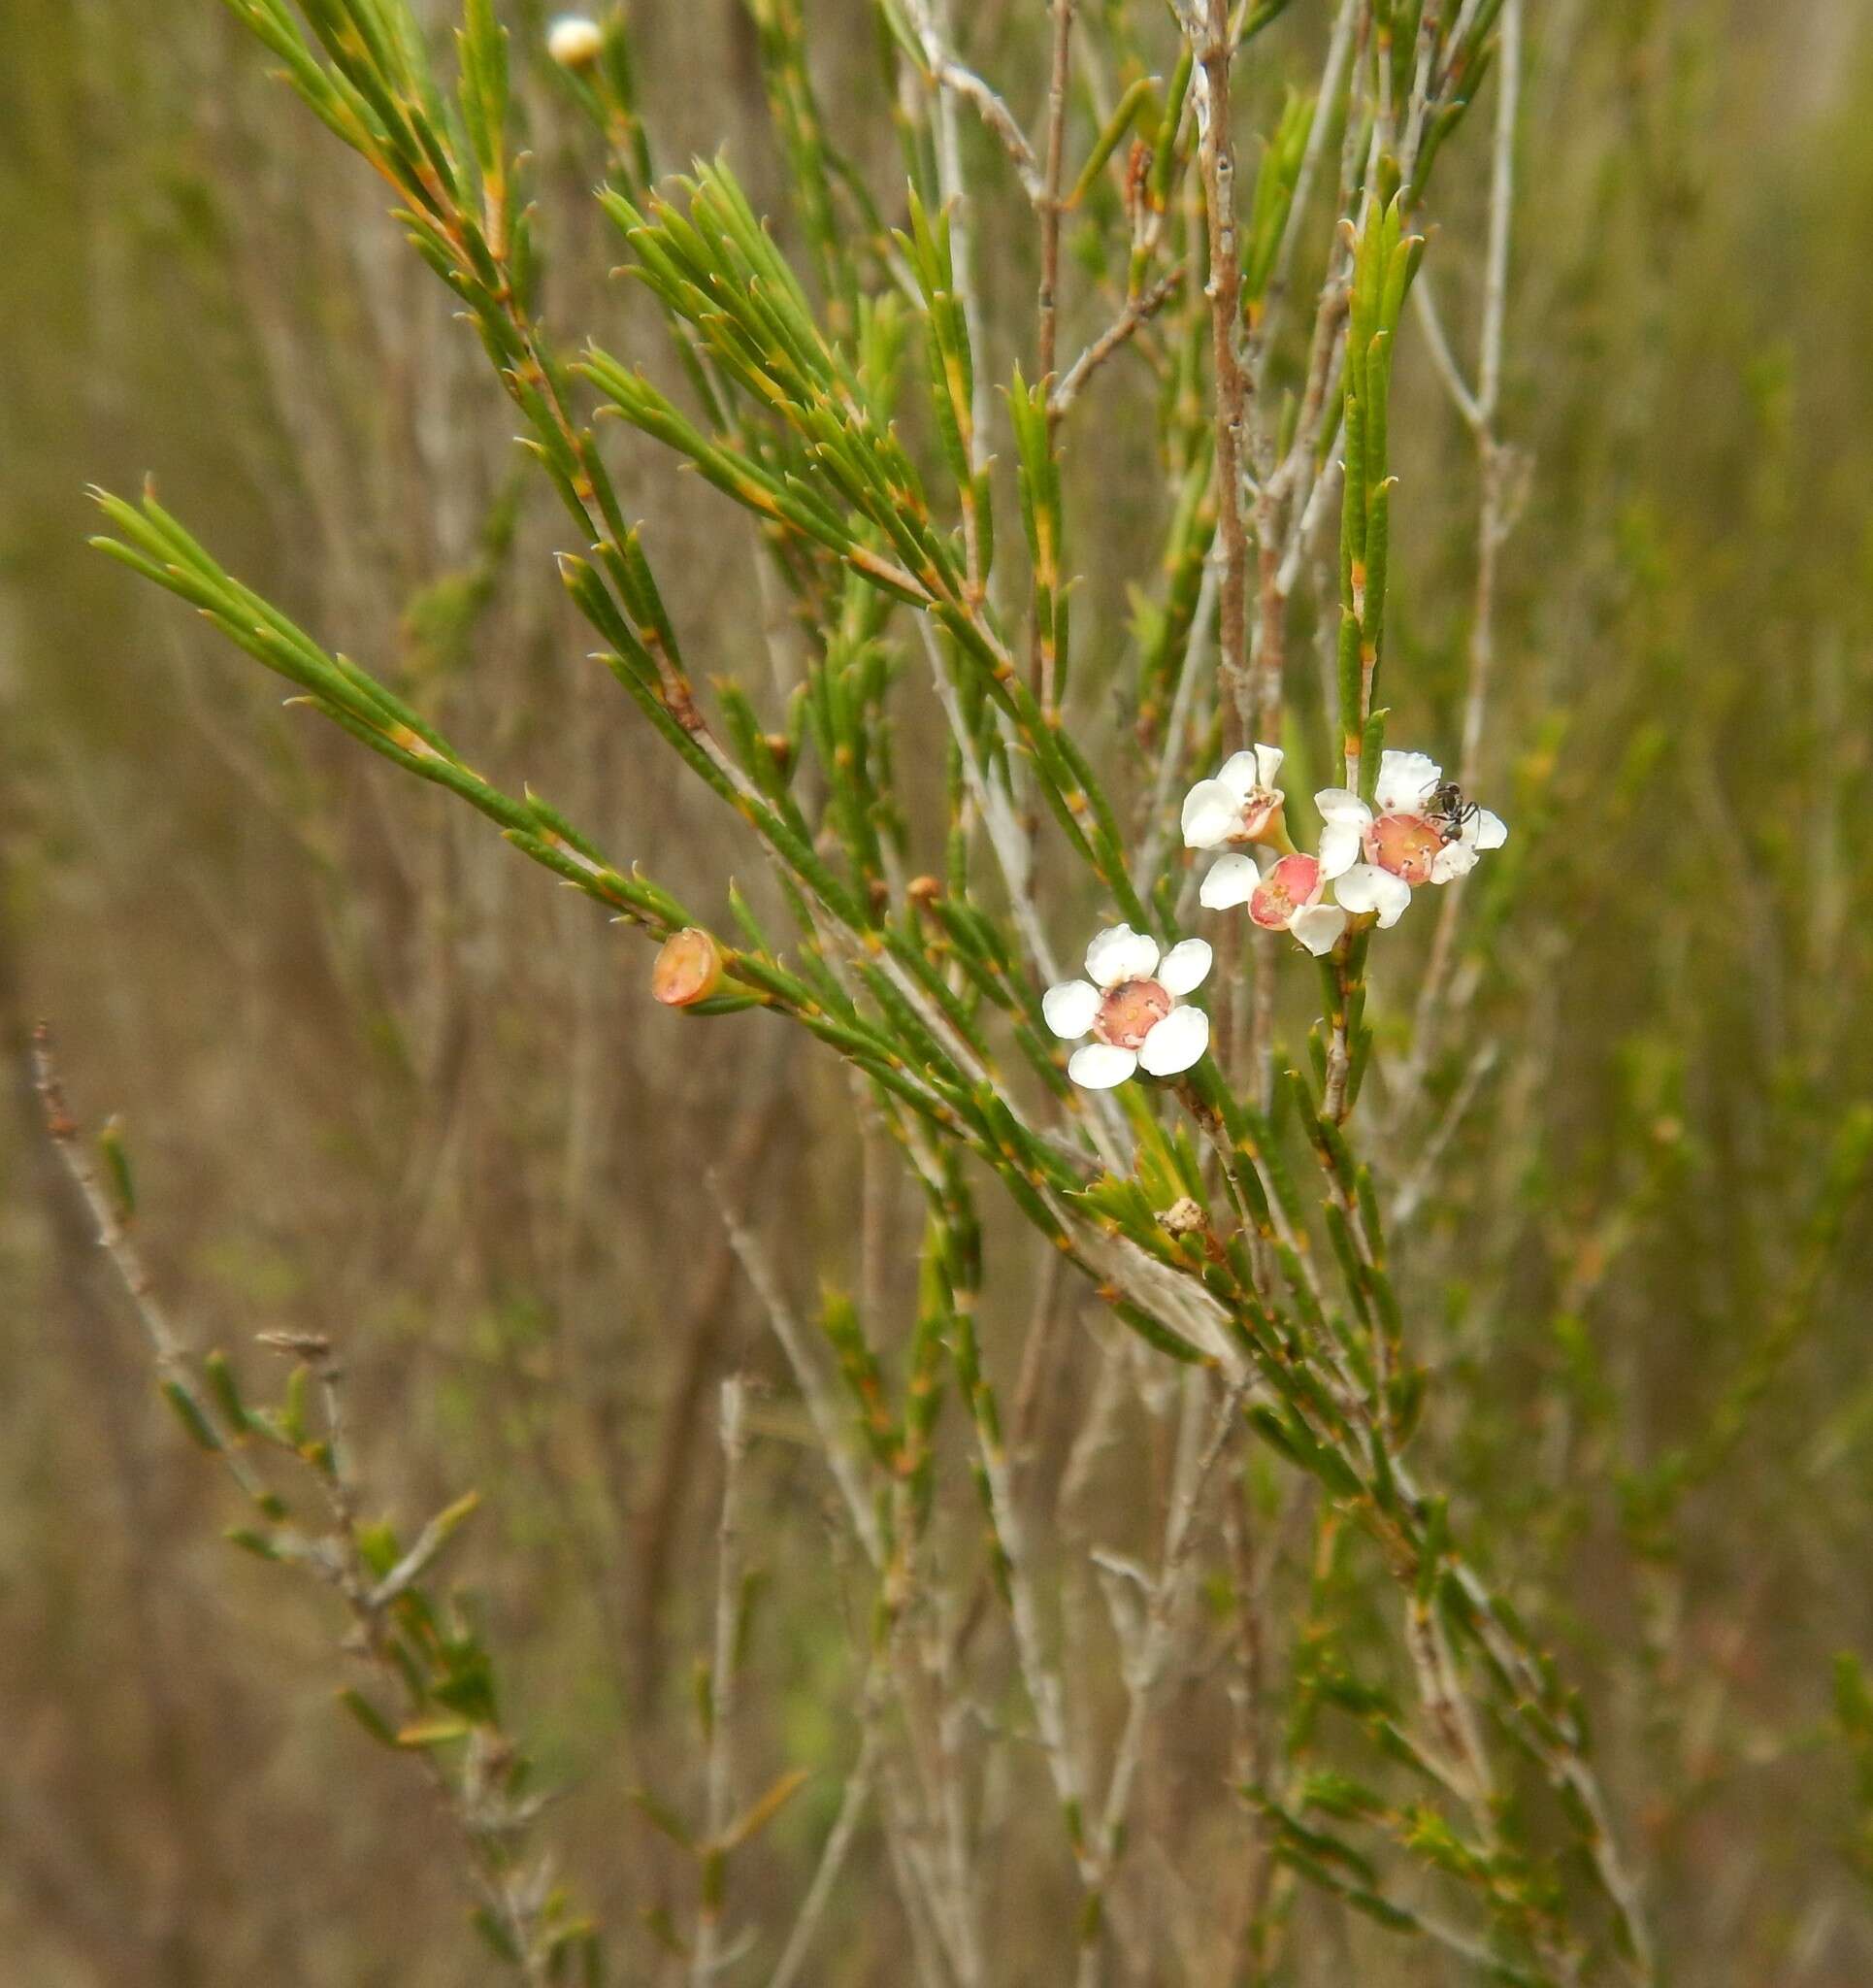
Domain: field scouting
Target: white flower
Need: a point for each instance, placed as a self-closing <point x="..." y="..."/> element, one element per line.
<point x="574" y="41"/>
<point x="1129" y="1005"/>
<point x="1241" y="805"/>
<point x="1416" y="831"/>
<point x="1286" y="900"/>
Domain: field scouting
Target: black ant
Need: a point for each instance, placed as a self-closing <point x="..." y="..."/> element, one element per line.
<point x="1449" y="813"/>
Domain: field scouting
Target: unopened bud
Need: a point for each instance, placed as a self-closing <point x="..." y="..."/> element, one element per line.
<point x="923" y="890"/>
<point x="688" y="969"/>
<point x="574" y="42"/>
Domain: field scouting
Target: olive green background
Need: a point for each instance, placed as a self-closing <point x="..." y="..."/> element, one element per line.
<point x="382" y="1079"/>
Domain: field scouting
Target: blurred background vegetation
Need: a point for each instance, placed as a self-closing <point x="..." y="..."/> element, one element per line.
<point x="382" y="1081"/>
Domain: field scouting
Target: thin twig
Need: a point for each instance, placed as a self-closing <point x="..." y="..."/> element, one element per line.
<point x="1138" y="313"/>
<point x="483" y="1815"/>
<point x="656" y="1512"/>
<point x="1491" y="526"/>
<point x="1209" y="37"/>
<point x="1437" y="342"/>
<point x="1332" y="79"/>
<point x="931" y="18"/>
<point x="1171" y="756"/>
<point x="1492" y="523"/>
<point x="832" y="1861"/>
<point x="806" y="1373"/>
<point x="719" y="1797"/>
<point x="1048" y="200"/>
<point x="1144" y="1665"/>
<point x="1319" y="504"/>
<point x="1417" y="1182"/>
<point x="958" y="79"/>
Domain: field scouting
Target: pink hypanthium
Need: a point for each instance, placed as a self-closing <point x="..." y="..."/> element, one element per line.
<point x="1129" y="1005"/>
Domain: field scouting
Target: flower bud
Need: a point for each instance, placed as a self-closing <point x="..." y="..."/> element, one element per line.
<point x="574" y="41"/>
<point x="688" y="969"/>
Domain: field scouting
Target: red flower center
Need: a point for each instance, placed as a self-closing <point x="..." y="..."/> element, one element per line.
<point x="1130" y="1012"/>
<point x="1292" y="885"/>
<point x="1406" y="844"/>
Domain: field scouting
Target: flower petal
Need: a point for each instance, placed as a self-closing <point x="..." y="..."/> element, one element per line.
<point x="1341" y="803"/>
<point x="1340" y="848"/>
<point x="1318" y="927"/>
<point x="1354" y="887"/>
<point x="1184" y="967"/>
<point x="1232" y="881"/>
<point x="1481" y="831"/>
<point x="1071" y="1008"/>
<point x="1211" y="810"/>
<point x="1267" y="761"/>
<point x="1176" y="1042"/>
<point x="1405" y="781"/>
<point x="1242" y="773"/>
<point x="1365" y="888"/>
<point x="1098" y="1066"/>
<point x="1394" y="895"/>
<point x="1121" y="954"/>
<point x="1454" y="860"/>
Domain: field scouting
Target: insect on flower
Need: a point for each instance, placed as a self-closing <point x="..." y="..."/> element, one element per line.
<point x="1419" y="829"/>
<point x="1129" y="1003"/>
<point x="1449" y="811"/>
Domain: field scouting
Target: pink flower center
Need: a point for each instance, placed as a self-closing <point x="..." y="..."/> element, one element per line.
<point x="1289" y="888"/>
<point x="1261" y="811"/>
<point x="1406" y="844"/>
<point x="1130" y="1012"/>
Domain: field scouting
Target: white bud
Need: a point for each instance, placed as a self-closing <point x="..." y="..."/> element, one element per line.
<point x="574" y="41"/>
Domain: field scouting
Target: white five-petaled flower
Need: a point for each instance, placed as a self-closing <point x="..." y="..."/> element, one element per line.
<point x="1285" y="900"/>
<point x="1241" y="804"/>
<point x="1129" y="1005"/>
<point x="1415" y="832"/>
<point x="574" y="40"/>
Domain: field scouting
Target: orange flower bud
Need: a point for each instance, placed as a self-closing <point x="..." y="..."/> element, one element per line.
<point x="688" y="969"/>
